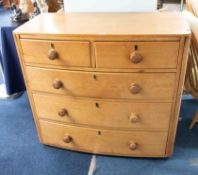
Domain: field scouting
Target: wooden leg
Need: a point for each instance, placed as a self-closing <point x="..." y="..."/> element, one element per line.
<point x="194" y="120"/>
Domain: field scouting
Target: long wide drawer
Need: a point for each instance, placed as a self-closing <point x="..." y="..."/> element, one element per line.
<point x="66" y="53"/>
<point x="104" y="141"/>
<point x="136" y="54"/>
<point x="103" y="113"/>
<point x="103" y="85"/>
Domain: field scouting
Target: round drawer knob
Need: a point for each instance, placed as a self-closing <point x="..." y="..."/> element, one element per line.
<point x="135" y="88"/>
<point x="63" y="112"/>
<point x="52" y="54"/>
<point x="133" y="146"/>
<point x="134" y="118"/>
<point x="67" y="139"/>
<point x="136" y="57"/>
<point x="57" y="84"/>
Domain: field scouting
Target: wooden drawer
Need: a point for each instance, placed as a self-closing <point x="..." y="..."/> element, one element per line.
<point x="104" y="141"/>
<point x="136" y="54"/>
<point x="66" y="53"/>
<point x="103" y="113"/>
<point x="104" y="85"/>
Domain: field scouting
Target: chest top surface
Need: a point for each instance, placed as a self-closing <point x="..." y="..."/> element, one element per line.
<point x="97" y="24"/>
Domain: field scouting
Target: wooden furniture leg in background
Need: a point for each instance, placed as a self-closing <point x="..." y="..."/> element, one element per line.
<point x="191" y="81"/>
<point x="194" y="120"/>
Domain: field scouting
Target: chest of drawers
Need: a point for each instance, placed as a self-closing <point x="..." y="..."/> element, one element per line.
<point x="105" y="83"/>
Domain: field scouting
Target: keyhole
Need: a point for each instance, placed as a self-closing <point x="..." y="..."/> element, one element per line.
<point x="52" y="45"/>
<point x="97" y="105"/>
<point x="94" y="77"/>
<point x="99" y="132"/>
<point x="136" y="47"/>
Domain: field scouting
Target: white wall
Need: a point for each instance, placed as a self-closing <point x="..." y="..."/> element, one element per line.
<point x="110" y="5"/>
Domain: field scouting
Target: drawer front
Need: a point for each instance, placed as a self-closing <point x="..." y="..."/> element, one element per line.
<point x="103" y="113"/>
<point x="136" y="54"/>
<point x="104" y="141"/>
<point x="65" y="53"/>
<point x="104" y="85"/>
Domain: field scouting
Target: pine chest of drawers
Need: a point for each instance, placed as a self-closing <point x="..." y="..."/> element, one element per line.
<point x="105" y="83"/>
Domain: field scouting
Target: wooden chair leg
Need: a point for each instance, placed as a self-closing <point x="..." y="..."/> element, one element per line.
<point x="194" y="120"/>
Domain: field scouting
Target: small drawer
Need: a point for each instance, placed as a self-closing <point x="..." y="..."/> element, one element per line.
<point x="152" y="86"/>
<point x="136" y="54"/>
<point x="103" y="113"/>
<point x="113" y="142"/>
<point x="64" y="53"/>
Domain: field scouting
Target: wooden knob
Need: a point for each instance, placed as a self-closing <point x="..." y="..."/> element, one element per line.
<point x="136" y="57"/>
<point x="63" y="112"/>
<point x="133" y="146"/>
<point x="135" y="88"/>
<point x="67" y="139"/>
<point x="57" y="84"/>
<point x="134" y="118"/>
<point x="52" y="54"/>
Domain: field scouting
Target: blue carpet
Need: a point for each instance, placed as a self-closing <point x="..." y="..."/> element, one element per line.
<point x="22" y="154"/>
<point x="183" y="162"/>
